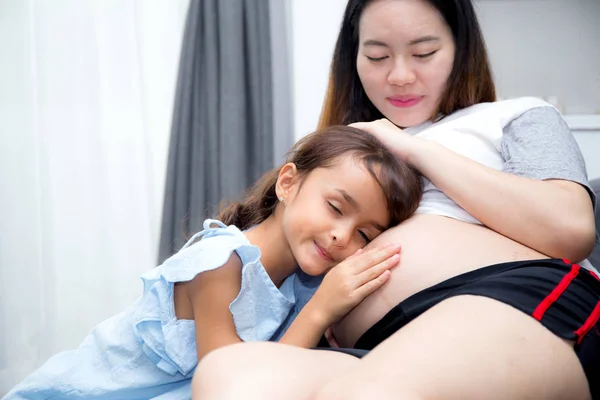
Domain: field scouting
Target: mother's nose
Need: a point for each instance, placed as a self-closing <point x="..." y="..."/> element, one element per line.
<point x="401" y="73"/>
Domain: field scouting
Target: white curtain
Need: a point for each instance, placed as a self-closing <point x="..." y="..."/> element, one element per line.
<point x="86" y="95"/>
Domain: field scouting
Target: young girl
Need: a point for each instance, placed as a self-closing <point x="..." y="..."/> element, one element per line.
<point x="340" y="189"/>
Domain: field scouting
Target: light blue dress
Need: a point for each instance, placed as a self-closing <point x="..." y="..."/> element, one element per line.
<point x="145" y="352"/>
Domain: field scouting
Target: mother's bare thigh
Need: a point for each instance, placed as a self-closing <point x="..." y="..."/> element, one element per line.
<point x="266" y="370"/>
<point x="466" y="347"/>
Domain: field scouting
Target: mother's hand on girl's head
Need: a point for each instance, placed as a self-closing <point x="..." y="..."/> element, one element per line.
<point x="401" y="143"/>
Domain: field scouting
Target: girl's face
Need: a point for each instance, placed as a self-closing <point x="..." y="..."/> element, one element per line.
<point x="405" y="56"/>
<point x="330" y="213"/>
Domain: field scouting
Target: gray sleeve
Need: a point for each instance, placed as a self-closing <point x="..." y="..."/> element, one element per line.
<point x="539" y="145"/>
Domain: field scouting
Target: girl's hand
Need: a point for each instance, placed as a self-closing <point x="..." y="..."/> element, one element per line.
<point x="401" y="143"/>
<point x="349" y="282"/>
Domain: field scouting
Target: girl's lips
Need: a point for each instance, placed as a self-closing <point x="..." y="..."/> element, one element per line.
<point x="405" y="101"/>
<point x="323" y="253"/>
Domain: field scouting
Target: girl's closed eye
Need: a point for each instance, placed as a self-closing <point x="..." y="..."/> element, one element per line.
<point x="334" y="208"/>
<point x="365" y="237"/>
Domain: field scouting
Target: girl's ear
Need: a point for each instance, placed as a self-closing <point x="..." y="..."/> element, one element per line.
<point x="286" y="181"/>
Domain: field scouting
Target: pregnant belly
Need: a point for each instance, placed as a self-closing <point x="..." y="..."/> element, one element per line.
<point x="434" y="249"/>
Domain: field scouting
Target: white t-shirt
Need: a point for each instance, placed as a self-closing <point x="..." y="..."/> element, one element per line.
<point x="541" y="147"/>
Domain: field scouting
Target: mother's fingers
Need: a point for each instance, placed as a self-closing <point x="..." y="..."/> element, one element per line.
<point x="383" y="122"/>
<point x="364" y="126"/>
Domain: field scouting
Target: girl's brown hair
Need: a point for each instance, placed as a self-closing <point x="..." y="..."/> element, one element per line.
<point x="469" y="83"/>
<point x="400" y="183"/>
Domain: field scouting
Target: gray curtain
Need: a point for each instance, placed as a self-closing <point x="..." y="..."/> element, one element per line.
<point x="222" y="132"/>
<point x="283" y="124"/>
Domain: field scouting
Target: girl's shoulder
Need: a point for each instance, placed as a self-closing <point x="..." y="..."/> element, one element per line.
<point x="206" y="250"/>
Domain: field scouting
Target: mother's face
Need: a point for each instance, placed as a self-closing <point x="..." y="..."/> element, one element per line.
<point x="405" y="56"/>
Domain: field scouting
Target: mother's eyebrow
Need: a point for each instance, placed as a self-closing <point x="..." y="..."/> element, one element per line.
<point x="373" y="42"/>
<point x="423" y="39"/>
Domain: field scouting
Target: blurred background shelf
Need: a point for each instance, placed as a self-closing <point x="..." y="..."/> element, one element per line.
<point x="583" y="122"/>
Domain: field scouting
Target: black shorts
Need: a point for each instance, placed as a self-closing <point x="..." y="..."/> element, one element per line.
<point x="564" y="297"/>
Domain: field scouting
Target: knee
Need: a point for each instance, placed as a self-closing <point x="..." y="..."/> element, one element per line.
<point x="215" y="370"/>
<point x="220" y="368"/>
<point x="363" y="390"/>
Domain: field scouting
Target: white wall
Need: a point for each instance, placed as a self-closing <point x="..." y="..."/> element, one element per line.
<point x="545" y="48"/>
<point x="589" y="143"/>
<point x="315" y="24"/>
<point x="549" y="48"/>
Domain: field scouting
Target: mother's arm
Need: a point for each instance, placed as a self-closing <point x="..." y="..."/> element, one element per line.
<point x="554" y="217"/>
<point x="548" y="211"/>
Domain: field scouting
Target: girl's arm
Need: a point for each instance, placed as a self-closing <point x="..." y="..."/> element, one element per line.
<point x="210" y="294"/>
<point x="343" y="287"/>
<point x="552" y="216"/>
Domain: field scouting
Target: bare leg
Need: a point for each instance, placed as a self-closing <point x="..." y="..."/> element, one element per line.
<point x="265" y="370"/>
<point x="466" y="347"/>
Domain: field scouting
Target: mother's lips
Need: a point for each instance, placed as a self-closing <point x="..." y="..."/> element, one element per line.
<point x="405" y="101"/>
<point x="405" y="97"/>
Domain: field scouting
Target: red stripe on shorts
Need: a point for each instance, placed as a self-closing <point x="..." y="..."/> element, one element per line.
<point x="541" y="309"/>
<point x="588" y="324"/>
